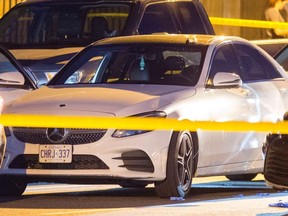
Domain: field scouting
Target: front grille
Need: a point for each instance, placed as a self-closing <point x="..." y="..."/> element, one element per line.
<point x="79" y="162"/>
<point x="136" y="161"/>
<point x="276" y="162"/>
<point x="73" y="136"/>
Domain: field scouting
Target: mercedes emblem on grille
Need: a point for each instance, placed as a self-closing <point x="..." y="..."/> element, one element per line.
<point x="56" y="135"/>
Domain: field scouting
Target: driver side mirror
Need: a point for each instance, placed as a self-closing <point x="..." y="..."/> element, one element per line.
<point x="226" y="80"/>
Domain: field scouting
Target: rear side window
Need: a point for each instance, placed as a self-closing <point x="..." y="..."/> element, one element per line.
<point x="254" y="65"/>
<point x="157" y="18"/>
<point x="188" y="18"/>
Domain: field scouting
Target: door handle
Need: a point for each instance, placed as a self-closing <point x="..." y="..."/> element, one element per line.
<point x="246" y="93"/>
<point x="284" y="91"/>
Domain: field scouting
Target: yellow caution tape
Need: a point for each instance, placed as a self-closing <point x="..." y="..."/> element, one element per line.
<point x="130" y="123"/>
<point x="219" y="21"/>
<point x="248" y="23"/>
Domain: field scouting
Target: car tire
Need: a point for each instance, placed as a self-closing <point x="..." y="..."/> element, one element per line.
<point x="242" y="177"/>
<point x="180" y="167"/>
<point x="12" y="187"/>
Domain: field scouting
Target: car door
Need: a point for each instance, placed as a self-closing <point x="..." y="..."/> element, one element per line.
<point x="258" y="99"/>
<point x="263" y="77"/>
<point x="14" y="79"/>
<point x="235" y="103"/>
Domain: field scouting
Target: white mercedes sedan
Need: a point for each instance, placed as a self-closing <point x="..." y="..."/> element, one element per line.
<point x="192" y="77"/>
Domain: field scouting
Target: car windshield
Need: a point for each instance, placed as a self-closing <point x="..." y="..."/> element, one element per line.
<point x="57" y="25"/>
<point x="135" y="64"/>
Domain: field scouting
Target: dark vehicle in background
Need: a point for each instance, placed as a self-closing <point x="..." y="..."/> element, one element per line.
<point x="277" y="48"/>
<point x="44" y="34"/>
<point x="271" y="46"/>
<point x="276" y="146"/>
<point x="276" y="161"/>
<point x="282" y="57"/>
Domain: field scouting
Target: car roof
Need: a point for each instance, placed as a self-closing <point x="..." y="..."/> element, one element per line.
<point x="169" y="39"/>
<point x="93" y="1"/>
<point x="80" y="1"/>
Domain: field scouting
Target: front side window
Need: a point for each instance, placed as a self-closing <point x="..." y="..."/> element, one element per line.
<point x="135" y="64"/>
<point x="224" y="60"/>
<point x="61" y="24"/>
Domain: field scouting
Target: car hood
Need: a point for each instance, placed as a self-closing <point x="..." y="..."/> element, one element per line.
<point x="104" y="100"/>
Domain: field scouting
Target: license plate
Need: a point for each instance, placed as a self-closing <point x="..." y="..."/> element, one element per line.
<point x="55" y="153"/>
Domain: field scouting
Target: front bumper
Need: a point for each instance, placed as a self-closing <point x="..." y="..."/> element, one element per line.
<point x="141" y="157"/>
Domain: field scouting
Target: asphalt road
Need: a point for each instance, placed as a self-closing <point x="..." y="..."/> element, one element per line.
<point x="209" y="196"/>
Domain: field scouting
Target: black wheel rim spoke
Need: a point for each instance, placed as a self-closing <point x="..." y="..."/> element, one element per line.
<point x="181" y="163"/>
<point x="185" y="157"/>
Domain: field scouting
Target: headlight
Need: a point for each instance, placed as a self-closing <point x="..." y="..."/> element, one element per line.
<point x="126" y="133"/>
